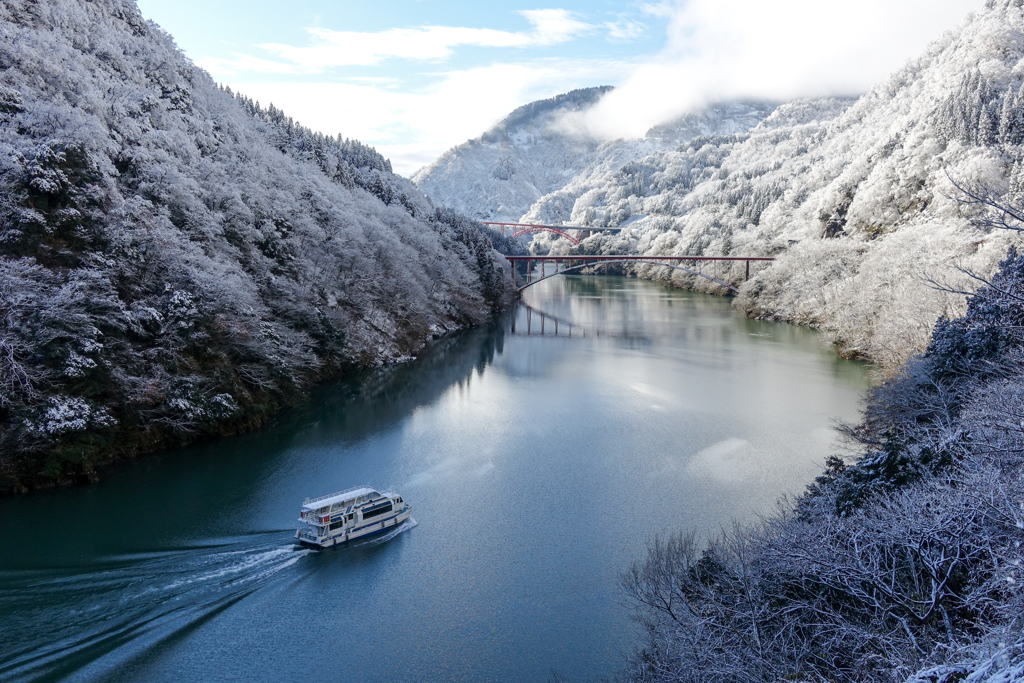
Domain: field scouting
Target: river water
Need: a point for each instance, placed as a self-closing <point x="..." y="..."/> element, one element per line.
<point x="538" y="466"/>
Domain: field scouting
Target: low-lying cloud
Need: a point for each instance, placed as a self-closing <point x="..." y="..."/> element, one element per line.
<point x="716" y="50"/>
<point x="750" y="49"/>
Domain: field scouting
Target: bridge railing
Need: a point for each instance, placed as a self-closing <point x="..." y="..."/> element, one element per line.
<point x="578" y="262"/>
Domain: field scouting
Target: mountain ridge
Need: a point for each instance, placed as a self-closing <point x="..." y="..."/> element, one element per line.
<point x="539" y="149"/>
<point x="176" y="261"/>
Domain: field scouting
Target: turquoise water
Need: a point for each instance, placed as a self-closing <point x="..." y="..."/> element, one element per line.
<point x="538" y="467"/>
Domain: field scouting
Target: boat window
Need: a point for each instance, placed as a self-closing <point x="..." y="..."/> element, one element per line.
<point x="351" y="516"/>
<point x="383" y="509"/>
<point x="337" y="525"/>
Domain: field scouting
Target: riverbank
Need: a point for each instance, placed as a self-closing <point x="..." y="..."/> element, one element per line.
<point x="177" y="261"/>
<point x="110" y="448"/>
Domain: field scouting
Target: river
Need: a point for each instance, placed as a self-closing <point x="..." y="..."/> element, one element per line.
<point x="538" y="467"/>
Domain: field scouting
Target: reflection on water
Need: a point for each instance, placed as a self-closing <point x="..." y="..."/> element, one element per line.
<point x="537" y="466"/>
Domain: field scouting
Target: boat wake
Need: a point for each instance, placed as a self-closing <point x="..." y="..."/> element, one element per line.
<point x="72" y="623"/>
<point x="377" y="540"/>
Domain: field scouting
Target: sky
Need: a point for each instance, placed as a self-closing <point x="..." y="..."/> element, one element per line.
<point x="414" y="78"/>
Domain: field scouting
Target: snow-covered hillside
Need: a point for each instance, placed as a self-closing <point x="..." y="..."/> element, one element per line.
<point x="618" y="161"/>
<point x="538" y="149"/>
<point x="855" y="201"/>
<point x="175" y="260"/>
<point x="499" y="174"/>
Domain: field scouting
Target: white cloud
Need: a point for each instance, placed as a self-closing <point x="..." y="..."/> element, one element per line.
<point x="626" y="30"/>
<point x="663" y="9"/>
<point x="553" y="26"/>
<point x="717" y="49"/>
<point x="414" y="128"/>
<point x="421" y="44"/>
<point x="725" y="49"/>
<point x="241" y="62"/>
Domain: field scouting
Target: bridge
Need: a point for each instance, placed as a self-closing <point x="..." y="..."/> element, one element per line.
<point x="520" y="229"/>
<point x="570" y="264"/>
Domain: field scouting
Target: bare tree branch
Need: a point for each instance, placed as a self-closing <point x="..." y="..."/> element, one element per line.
<point x="999" y="214"/>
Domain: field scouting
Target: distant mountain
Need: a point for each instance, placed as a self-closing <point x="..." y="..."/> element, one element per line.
<point x="499" y="174"/>
<point x="854" y="199"/>
<point x="532" y="153"/>
<point x="176" y="260"/>
<point x="614" y="160"/>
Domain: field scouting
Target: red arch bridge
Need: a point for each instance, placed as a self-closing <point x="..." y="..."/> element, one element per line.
<point x="566" y="231"/>
<point x="721" y="265"/>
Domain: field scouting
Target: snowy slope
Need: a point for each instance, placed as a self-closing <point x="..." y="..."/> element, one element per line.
<point x="175" y="260"/>
<point x="855" y="201"/>
<point x="536" y="151"/>
<point x="616" y="160"/>
<point x="499" y="174"/>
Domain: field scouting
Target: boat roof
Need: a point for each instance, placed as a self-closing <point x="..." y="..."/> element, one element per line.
<point x="339" y="497"/>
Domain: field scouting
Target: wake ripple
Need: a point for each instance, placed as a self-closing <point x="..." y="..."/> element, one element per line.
<point x="60" y="623"/>
<point x="377" y="540"/>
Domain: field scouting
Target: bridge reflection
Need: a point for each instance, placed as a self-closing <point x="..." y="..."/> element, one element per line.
<point x="545" y="324"/>
<point x="537" y="323"/>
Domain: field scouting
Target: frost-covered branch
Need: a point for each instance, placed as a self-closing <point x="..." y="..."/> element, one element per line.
<point x="998" y="213"/>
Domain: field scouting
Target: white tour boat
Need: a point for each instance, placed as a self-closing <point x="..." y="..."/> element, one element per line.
<point x="348" y="515"/>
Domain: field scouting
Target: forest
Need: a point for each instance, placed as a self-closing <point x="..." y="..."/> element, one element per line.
<point x="177" y="260"/>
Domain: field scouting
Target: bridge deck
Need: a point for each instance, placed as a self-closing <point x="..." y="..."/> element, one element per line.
<point x="574" y="263"/>
<point x="610" y="257"/>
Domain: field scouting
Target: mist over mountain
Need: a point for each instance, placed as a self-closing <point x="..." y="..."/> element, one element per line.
<point x="512" y="165"/>
<point x="616" y="160"/>
<point x="855" y="202"/>
<point x="176" y="260"/>
<point x="540" y="148"/>
<point x="854" y="198"/>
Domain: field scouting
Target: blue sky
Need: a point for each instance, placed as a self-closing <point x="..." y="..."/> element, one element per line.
<point x="415" y="77"/>
<point x="222" y="30"/>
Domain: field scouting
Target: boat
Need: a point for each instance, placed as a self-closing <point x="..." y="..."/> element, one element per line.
<point x="349" y="515"/>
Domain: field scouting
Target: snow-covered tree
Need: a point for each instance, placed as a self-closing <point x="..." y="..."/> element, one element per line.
<point x="177" y="260"/>
<point x="903" y="565"/>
